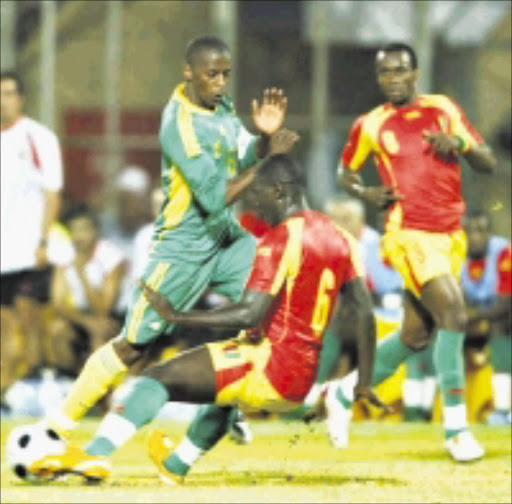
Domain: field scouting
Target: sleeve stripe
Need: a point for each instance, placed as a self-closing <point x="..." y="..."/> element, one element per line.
<point x="355" y="255"/>
<point x="187" y="132"/>
<point x="292" y="255"/>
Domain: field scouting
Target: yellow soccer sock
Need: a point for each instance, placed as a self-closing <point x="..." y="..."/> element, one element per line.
<point x="102" y="369"/>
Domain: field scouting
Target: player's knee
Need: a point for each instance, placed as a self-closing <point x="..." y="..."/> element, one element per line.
<point x="416" y="338"/>
<point x="452" y="315"/>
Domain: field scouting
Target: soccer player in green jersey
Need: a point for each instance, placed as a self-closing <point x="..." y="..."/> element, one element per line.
<point x="197" y="241"/>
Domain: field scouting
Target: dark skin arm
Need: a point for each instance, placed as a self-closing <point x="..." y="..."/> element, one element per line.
<point x="445" y="146"/>
<point x="380" y="196"/>
<point x="248" y="312"/>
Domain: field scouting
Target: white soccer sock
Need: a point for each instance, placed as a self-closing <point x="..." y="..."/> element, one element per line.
<point x="346" y="384"/>
<point x="501" y="383"/>
<point x="455" y="417"/>
<point x="188" y="452"/>
<point x="413" y="393"/>
<point x="429" y="393"/>
<point x="116" y="429"/>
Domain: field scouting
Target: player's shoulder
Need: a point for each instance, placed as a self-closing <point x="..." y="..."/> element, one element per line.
<point x="440" y="101"/>
<point x="363" y="121"/>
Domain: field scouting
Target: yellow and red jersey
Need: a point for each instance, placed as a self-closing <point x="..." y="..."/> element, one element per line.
<point x="303" y="262"/>
<point x="395" y="136"/>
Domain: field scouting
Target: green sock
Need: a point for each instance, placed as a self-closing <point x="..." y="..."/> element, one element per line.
<point x="389" y="354"/>
<point x="137" y="408"/>
<point x="501" y="354"/>
<point x="329" y="356"/>
<point x="449" y="364"/>
<point x="208" y="427"/>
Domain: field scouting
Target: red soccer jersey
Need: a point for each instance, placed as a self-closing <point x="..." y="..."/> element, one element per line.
<point x="303" y="262"/>
<point x="395" y="135"/>
<point x="252" y="223"/>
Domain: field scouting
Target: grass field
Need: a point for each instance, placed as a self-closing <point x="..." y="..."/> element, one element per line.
<point x="292" y="462"/>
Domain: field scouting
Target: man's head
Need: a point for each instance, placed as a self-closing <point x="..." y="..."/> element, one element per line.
<point x="11" y="97"/>
<point x="277" y="190"/>
<point x="133" y="198"/>
<point x="348" y="213"/>
<point x="397" y="72"/>
<point x="207" y="70"/>
<point x="478" y="230"/>
<point x="82" y="224"/>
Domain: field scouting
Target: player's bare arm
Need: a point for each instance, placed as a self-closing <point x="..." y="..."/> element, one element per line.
<point x="357" y="301"/>
<point x="381" y="196"/>
<point x="247" y="313"/>
<point x="445" y="146"/>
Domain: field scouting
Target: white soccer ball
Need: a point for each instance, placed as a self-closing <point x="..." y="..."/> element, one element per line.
<point x="29" y="443"/>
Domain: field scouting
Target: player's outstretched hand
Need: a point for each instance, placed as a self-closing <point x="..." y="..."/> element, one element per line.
<point x="158" y="302"/>
<point x="268" y="116"/>
<point x="366" y="394"/>
<point x="443" y="145"/>
<point x="283" y="141"/>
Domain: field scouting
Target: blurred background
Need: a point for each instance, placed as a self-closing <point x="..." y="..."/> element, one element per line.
<point x="99" y="74"/>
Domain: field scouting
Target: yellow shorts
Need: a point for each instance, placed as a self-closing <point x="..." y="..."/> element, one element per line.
<point x="240" y="376"/>
<point x="420" y="256"/>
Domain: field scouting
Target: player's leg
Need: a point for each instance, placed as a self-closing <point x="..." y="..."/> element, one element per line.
<point x="109" y="364"/>
<point x="390" y="353"/>
<point x="190" y="377"/>
<point x="229" y="277"/>
<point x="444" y="300"/>
<point x="417" y="387"/>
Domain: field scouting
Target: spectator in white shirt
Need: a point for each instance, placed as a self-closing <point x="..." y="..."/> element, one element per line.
<point x="83" y="294"/>
<point x="31" y="184"/>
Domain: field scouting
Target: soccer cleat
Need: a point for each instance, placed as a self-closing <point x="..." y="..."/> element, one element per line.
<point x="74" y="460"/>
<point x="463" y="447"/>
<point x="159" y="448"/>
<point x="240" y="432"/>
<point x="338" y="418"/>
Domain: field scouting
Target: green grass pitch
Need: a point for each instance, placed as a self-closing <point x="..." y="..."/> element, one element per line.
<point x="292" y="462"/>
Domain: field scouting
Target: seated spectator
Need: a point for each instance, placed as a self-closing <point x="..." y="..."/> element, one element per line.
<point x="486" y="281"/>
<point x="83" y="294"/>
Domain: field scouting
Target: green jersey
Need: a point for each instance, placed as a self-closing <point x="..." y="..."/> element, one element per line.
<point x="201" y="150"/>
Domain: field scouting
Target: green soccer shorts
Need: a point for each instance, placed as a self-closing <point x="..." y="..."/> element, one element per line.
<point x="183" y="283"/>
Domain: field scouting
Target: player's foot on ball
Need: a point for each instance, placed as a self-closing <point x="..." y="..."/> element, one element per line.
<point x="463" y="447"/>
<point x="159" y="449"/>
<point x="74" y="460"/>
<point x="338" y="418"/>
<point x="240" y="432"/>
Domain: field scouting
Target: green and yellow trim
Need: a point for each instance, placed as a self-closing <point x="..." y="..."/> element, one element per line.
<point x="154" y="281"/>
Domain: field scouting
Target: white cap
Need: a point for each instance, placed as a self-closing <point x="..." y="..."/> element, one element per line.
<point x="133" y="178"/>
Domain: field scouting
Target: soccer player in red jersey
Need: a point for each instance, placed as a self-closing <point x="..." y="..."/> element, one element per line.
<point x="301" y="264"/>
<point x="417" y="142"/>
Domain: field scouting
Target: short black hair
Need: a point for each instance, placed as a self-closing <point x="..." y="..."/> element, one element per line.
<point x="281" y="168"/>
<point x="15" y="76"/>
<point x="201" y="44"/>
<point x="79" y="211"/>
<point x="398" y="47"/>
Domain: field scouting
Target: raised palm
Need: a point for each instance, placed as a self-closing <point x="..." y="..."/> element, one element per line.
<point x="268" y="116"/>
